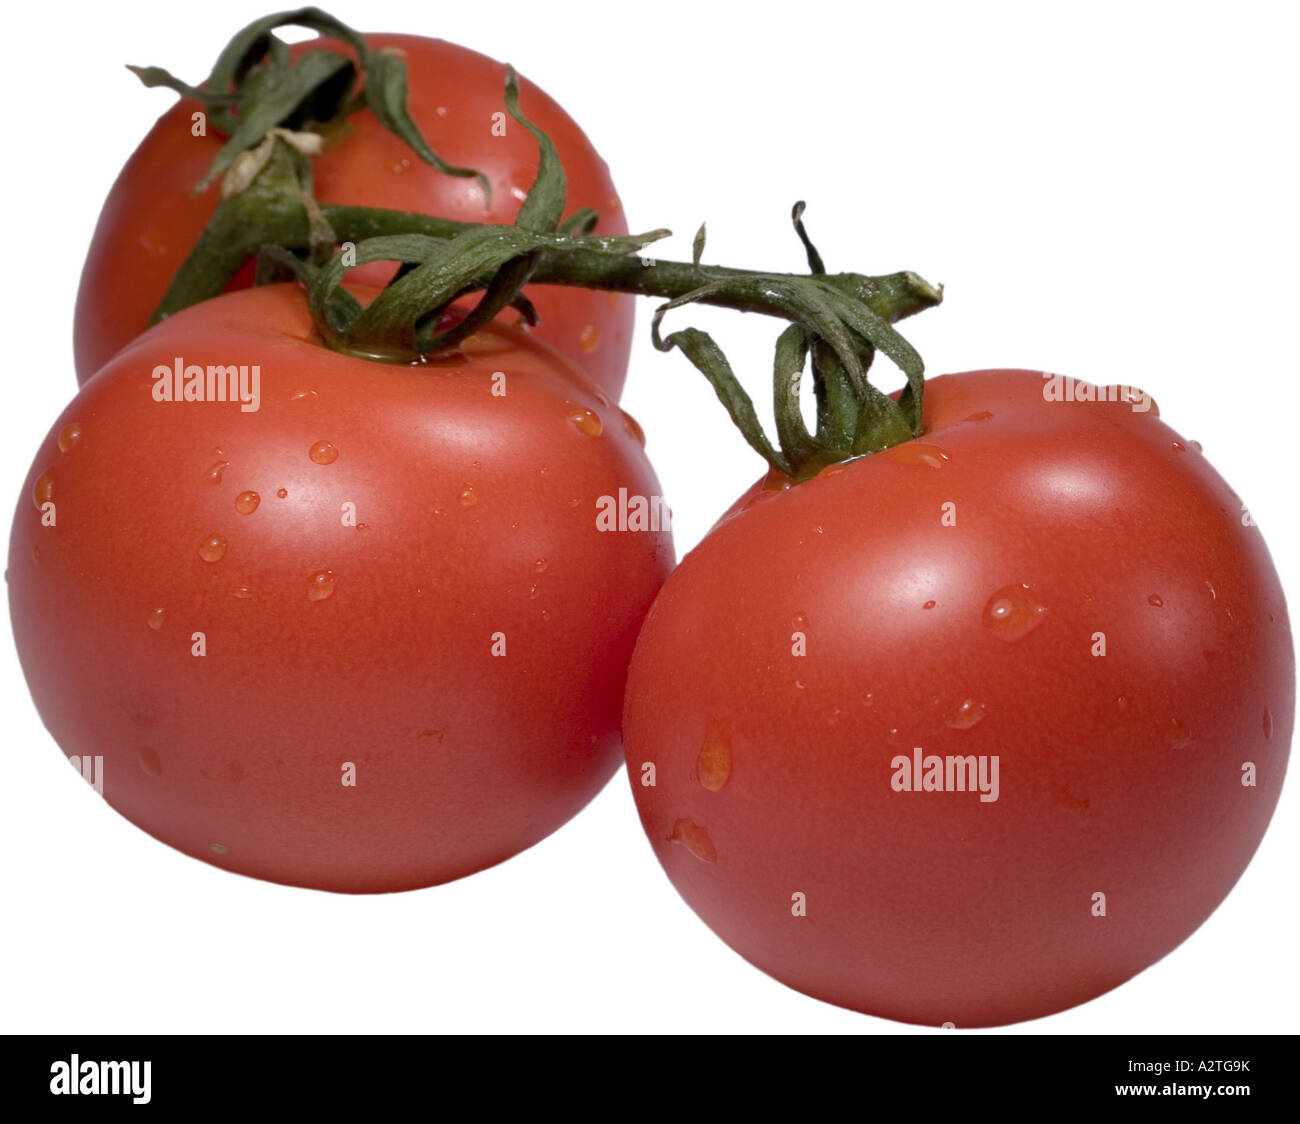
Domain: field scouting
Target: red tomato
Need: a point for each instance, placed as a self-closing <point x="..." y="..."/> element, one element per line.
<point x="385" y="569"/>
<point x="1065" y="592"/>
<point x="150" y="221"/>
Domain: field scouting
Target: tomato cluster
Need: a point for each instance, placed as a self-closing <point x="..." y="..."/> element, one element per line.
<point x="968" y="729"/>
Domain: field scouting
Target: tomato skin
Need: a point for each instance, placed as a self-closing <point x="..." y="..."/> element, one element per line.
<point x="150" y="221"/>
<point x="1119" y="774"/>
<point x="476" y="516"/>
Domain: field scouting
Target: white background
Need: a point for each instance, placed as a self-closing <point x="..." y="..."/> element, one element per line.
<point x="1106" y="190"/>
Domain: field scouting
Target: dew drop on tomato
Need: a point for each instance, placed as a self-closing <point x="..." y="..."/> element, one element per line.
<point x="68" y="436"/>
<point x="586" y="421"/>
<point x="713" y="762"/>
<point x="634" y="428"/>
<point x="157" y="617"/>
<point x="213" y="475"/>
<point x="149" y="760"/>
<point x="246" y="502"/>
<point x="1013" y="611"/>
<point x="213" y="548"/>
<point x="695" y="839"/>
<point x="43" y="491"/>
<point x="323" y="453"/>
<point x="918" y="452"/>
<point x="967" y="715"/>
<point x="320" y="585"/>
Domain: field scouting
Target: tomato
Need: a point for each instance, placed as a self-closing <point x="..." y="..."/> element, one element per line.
<point x="150" y="221"/>
<point x="976" y="728"/>
<point x="369" y="636"/>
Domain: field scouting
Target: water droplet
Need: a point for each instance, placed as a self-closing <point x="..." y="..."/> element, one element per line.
<point x="695" y="839"/>
<point x="539" y="567"/>
<point x="246" y="502"/>
<point x="776" y="481"/>
<point x="1013" y="611"/>
<point x="243" y="592"/>
<point x="1268" y="725"/>
<point x="546" y="614"/>
<point x="157" y="617"/>
<point x="320" y="585"/>
<point x="149" y="761"/>
<point x="219" y="848"/>
<point x="68" y="436"/>
<point x="468" y="497"/>
<point x="1156" y="601"/>
<point x="36" y="554"/>
<point x="1197" y="446"/>
<point x="969" y="713"/>
<point x="213" y="548"/>
<point x="213" y="475"/>
<point x="833" y="469"/>
<point x="869" y="699"/>
<point x="929" y="605"/>
<point x="800" y="621"/>
<point x="634" y="428"/>
<point x="43" y="490"/>
<point x="299" y="395"/>
<point x="589" y="338"/>
<point x="713" y="762"/>
<point x="586" y="421"/>
<point x="280" y="493"/>
<point x="1178" y="733"/>
<point x="980" y="415"/>
<point x="1214" y="593"/>
<point x="532" y="593"/>
<point x="323" y="453"/>
<point x="1121" y="701"/>
<point x="1179" y="447"/>
<point x="918" y="452"/>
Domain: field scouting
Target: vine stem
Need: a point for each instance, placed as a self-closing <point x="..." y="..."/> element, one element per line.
<point x="606" y="265"/>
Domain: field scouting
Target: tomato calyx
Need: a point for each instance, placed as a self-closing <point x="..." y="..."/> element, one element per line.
<point x="839" y="323"/>
<point x="255" y="88"/>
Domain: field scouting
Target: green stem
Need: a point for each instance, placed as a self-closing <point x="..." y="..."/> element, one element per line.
<point x="245" y="222"/>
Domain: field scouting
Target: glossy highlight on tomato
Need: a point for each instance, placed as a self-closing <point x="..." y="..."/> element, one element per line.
<point x="151" y="221"/>
<point x="366" y="636"/>
<point x="976" y="728"/>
